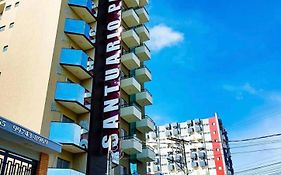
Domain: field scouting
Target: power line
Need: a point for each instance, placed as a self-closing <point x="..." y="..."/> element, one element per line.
<point x="256" y="138"/>
<point x="259" y="167"/>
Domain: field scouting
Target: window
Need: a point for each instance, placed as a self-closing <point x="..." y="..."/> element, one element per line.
<point x="8" y="7"/>
<point x="2" y="28"/>
<point x="63" y="164"/>
<point x="17" y="4"/>
<point x="5" y="48"/>
<point x="214" y="124"/>
<point x="218" y="158"/>
<point x="12" y="24"/>
<point x="66" y="119"/>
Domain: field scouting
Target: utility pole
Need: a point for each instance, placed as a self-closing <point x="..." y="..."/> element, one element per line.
<point x="109" y="158"/>
<point x="182" y="142"/>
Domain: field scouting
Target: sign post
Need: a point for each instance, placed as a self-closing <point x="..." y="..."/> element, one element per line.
<point x="105" y="108"/>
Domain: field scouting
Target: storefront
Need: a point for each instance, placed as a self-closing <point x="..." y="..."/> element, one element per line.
<point x="22" y="151"/>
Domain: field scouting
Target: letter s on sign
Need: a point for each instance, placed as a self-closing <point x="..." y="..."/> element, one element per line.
<point x="105" y="142"/>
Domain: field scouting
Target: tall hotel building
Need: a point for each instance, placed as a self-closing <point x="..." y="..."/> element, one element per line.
<point x="195" y="147"/>
<point x="47" y="63"/>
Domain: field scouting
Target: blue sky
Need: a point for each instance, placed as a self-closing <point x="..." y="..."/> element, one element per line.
<point x="217" y="56"/>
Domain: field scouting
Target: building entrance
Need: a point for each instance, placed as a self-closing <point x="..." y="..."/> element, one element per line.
<point x="14" y="164"/>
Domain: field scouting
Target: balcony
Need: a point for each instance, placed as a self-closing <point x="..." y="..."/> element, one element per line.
<point x="77" y="62"/>
<point x="79" y="32"/>
<point x="130" y="38"/>
<point x="143" y="53"/>
<point x="144" y="98"/>
<point x="143" y="74"/>
<point x="130" y="17"/>
<point x="131" y="3"/>
<point x="56" y="171"/>
<point x="147" y="154"/>
<point x="130" y="85"/>
<point x="143" y="3"/>
<point x="145" y="125"/>
<point x="143" y="15"/>
<point x="130" y="113"/>
<point x="130" y="60"/>
<point x="67" y="134"/>
<point x="143" y="33"/>
<point x="131" y="145"/>
<point x="72" y="96"/>
<point x="83" y="8"/>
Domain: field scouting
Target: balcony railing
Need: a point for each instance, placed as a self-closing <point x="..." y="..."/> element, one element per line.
<point x="72" y="96"/>
<point x="130" y="60"/>
<point x="143" y="33"/>
<point x="143" y="52"/>
<point x="130" y="85"/>
<point x="79" y="31"/>
<point x="130" y="113"/>
<point x="144" y="98"/>
<point x="72" y="137"/>
<point x="77" y="62"/>
<point x="143" y="15"/>
<point x="131" y="145"/>
<point x="147" y="154"/>
<point x="143" y="74"/>
<point x="130" y="38"/>
<point x="83" y="8"/>
<point x="132" y="3"/>
<point x="130" y="17"/>
<point x="59" y="171"/>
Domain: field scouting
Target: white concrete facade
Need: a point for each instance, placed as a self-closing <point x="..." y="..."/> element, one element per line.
<point x="204" y="153"/>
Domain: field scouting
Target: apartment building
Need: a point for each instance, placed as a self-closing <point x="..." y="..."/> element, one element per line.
<point x="47" y="57"/>
<point x="195" y="147"/>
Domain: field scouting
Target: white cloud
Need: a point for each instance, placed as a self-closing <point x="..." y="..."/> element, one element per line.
<point x="263" y="120"/>
<point x="163" y="36"/>
<point x="240" y="90"/>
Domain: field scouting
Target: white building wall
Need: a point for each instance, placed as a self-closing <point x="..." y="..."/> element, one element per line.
<point x="199" y="139"/>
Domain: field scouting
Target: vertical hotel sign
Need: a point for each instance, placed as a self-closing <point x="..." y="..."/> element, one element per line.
<point x="105" y="111"/>
<point x="112" y="80"/>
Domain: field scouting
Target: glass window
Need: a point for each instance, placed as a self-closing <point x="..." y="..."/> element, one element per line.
<point x="66" y="119"/>
<point x="61" y="163"/>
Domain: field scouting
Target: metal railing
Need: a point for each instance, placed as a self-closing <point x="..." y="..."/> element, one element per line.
<point x="145" y="90"/>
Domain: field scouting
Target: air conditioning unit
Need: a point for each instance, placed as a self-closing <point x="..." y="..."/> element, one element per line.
<point x="194" y="164"/>
<point x="194" y="155"/>
<point x="153" y="135"/>
<point x="198" y="128"/>
<point x="202" y="155"/>
<point x="170" y="158"/>
<point x="189" y="122"/>
<point x="171" y="167"/>
<point x="197" y="121"/>
<point x="190" y="130"/>
<point x="203" y="163"/>
<point x="84" y="143"/>
<point x="178" y="158"/>
<point x="168" y="133"/>
<point x="168" y="126"/>
<point x="176" y="132"/>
